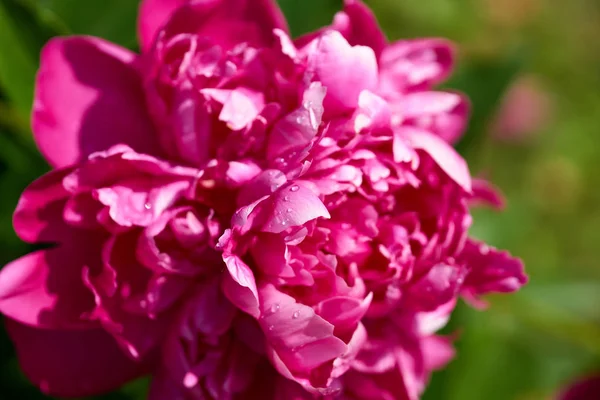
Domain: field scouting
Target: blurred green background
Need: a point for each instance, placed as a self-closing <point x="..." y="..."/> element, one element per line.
<point x="532" y="70"/>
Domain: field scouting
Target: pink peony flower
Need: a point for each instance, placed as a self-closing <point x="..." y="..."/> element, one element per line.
<point x="247" y="216"/>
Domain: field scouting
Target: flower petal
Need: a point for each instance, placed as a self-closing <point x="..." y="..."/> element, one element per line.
<point x="442" y="153"/>
<point x="72" y="363"/>
<point x="46" y="289"/>
<point x="302" y="339"/>
<point x="344" y="70"/>
<point x="39" y="213"/>
<point x="415" y="64"/>
<point x="153" y="14"/>
<point x="359" y="26"/>
<point x="224" y="22"/>
<point x="89" y="97"/>
<point x="490" y="270"/>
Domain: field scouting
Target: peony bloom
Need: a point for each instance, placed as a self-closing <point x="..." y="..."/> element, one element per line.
<point x="242" y="215"/>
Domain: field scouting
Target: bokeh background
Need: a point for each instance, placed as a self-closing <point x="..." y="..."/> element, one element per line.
<point x="532" y="70"/>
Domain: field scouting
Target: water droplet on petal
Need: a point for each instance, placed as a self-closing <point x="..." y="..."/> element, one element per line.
<point x="289" y="210"/>
<point x="296" y="314"/>
<point x="275" y="308"/>
<point x="147" y="206"/>
<point x="271" y="327"/>
<point x="286" y="198"/>
<point x="294" y="188"/>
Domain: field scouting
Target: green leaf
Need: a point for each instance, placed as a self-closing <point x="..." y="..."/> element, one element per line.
<point x="113" y="20"/>
<point x="308" y="15"/>
<point x="22" y="35"/>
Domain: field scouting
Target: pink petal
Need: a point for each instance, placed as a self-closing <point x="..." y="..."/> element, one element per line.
<point x="240" y="286"/>
<point x="442" y="113"/>
<point x="344" y="70"/>
<point x="72" y="363"/>
<point x="415" y="64"/>
<point x="490" y="270"/>
<point x="46" y="289"/>
<point x="437" y="352"/>
<point x="88" y="98"/>
<point x="153" y="14"/>
<point x="344" y="312"/>
<point x="297" y="129"/>
<point x="291" y="206"/>
<point x="301" y="338"/>
<point x="484" y="192"/>
<point x="442" y="153"/>
<point x="226" y="22"/>
<point x="359" y="26"/>
<point x="39" y="213"/>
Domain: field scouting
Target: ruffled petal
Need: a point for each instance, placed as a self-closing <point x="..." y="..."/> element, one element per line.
<point x="225" y="22"/>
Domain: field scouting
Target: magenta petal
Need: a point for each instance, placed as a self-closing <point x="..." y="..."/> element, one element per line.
<point x="240" y="286"/>
<point x="344" y="70"/>
<point x="490" y="270"/>
<point x="227" y="22"/>
<point x="359" y="26"/>
<point x="45" y="288"/>
<point x="442" y="153"/>
<point x="72" y="363"/>
<point x="153" y="14"/>
<point x="486" y="193"/>
<point x="587" y="388"/>
<point x="415" y="64"/>
<point x="291" y="206"/>
<point x="302" y="339"/>
<point x="39" y="213"/>
<point x="89" y="97"/>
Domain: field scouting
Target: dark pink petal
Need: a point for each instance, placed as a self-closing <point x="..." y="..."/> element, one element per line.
<point x="359" y="26"/>
<point x="442" y="113"/>
<point x="584" y="389"/>
<point x="298" y="129"/>
<point x="39" y="213"/>
<point x="291" y="206"/>
<point x="239" y="286"/>
<point x="441" y="152"/>
<point x="153" y="14"/>
<point x="302" y="339"/>
<point x="72" y="363"/>
<point x="484" y="192"/>
<point x="344" y="312"/>
<point x="415" y="64"/>
<point x="490" y="270"/>
<point x="46" y="289"/>
<point x="437" y="351"/>
<point x="437" y="288"/>
<point x="226" y="22"/>
<point x="344" y="70"/>
<point x="373" y="112"/>
<point x="89" y="97"/>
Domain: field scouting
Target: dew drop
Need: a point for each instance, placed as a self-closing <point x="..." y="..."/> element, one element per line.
<point x="289" y="210"/>
<point x="275" y="308"/>
<point x="286" y="198"/>
<point x="147" y="206"/>
<point x="271" y="327"/>
<point x="294" y="188"/>
<point x="296" y="314"/>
